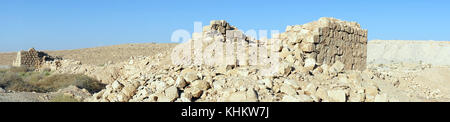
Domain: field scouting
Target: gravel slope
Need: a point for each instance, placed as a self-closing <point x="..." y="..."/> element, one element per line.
<point x="428" y="52"/>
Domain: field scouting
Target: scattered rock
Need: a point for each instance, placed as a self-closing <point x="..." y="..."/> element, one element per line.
<point x="189" y="77"/>
<point x="185" y="97"/>
<point x="242" y="96"/>
<point x="381" y="98"/>
<point x="284" y="69"/>
<point x="287" y="89"/>
<point x="180" y="82"/>
<point x="371" y="93"/>
<point x="266" y="82"/>
<point x="292" y="83"/>
<point x="171" y="93"/>
<point x="193" y="91"/>
<point x="337" y="95"/>
<point x="337" y="67"/>
<point x="297" y="98"/>
<point x="200" y="84"/>
<point x="116" y="85"/>
<point x="309" y="64"/>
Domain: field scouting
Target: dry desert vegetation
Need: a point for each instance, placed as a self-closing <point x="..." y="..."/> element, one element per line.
<point x="328" y="60"/>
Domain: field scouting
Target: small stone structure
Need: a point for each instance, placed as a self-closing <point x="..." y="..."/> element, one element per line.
<point x="31" y="58"/>
<point x="311" y="45"/>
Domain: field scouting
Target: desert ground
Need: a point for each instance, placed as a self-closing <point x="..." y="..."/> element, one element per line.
<point x="398" y="70"/>
<point x="100" y="55"/>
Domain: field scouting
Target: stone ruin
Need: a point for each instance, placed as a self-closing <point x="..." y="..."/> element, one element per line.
<point x="324" y="42"/>
<point x="216" y="45"/>
<point x="315" y="44"/>
<point x="31" y="58"/>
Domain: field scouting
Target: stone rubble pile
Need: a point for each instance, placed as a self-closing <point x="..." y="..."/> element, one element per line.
<point x="218" y="44"/>
<point x="169" y="83"/>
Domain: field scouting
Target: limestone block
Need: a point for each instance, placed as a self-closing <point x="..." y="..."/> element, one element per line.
<point x="310" y="63"/>
<point x="307" y="47"/>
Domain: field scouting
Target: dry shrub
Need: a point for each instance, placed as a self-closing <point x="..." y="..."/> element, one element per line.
<point x="26" y="80"/>
<point x="23" y="87"/>
<point x="59" y="81"/>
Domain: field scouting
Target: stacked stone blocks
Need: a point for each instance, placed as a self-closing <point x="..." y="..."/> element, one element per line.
<point x="31" y="58"/>
<point x="311" y="45"/>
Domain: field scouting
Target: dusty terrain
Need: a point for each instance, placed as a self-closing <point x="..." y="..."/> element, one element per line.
<point x="101" y="55"/>
<point x="149" y="77"/>
<point x="72" y="91"/>
<point x="412" y="51"/>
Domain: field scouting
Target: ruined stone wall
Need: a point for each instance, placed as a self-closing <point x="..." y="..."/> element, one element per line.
<point x="310" y="45"/>
<point x="218" y="44"/>
<point x="323" y="42"/>
<point x="27" y="58"/>
<point x="31" y="58"/>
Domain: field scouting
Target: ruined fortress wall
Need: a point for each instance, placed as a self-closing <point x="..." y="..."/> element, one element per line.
<point x="30" y="58"/>
<point x="218" y="44"/>
<point x="27" y="58"/>
<point x="310" y="45"/>
<point x="324" y="42"/>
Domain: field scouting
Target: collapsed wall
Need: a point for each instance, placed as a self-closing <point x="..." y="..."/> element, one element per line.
<point x="324" y="42"/>
<point x="311" y="45"/>
<point x="31" y="58"/>
<point x="218" y="44"/>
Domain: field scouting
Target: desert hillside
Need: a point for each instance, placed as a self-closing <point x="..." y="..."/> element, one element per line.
<point x="409" y="51"/>
<point x="101" y="55"/>
<point x="378" y="52"/>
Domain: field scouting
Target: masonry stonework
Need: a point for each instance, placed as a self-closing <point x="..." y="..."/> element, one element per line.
<point x="31" y="58"/>
<point x="311" y="45"/>
<point x="324" y="42"/>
